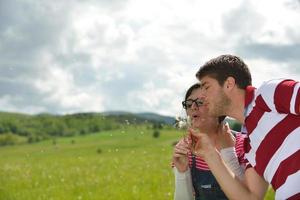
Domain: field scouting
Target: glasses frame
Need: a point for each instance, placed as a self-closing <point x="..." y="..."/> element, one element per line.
<point x="197" y="101"/>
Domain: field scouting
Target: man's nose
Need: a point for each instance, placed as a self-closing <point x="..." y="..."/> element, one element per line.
<point x="203" y="97"/>
<point x="194" y="105"/>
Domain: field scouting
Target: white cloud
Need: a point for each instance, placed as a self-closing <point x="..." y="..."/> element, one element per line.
<point x="135" y="55"/>
<point x="6" y="102"/>
<point x="263" y="70"/>
<point x="60" y="89"/>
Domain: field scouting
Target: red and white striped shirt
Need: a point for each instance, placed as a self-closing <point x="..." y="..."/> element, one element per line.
<point x="273" y="127"/>
<point x="239" y="148"/>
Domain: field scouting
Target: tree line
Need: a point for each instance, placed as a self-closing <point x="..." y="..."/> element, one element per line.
<point x="21" y="128"/>
<point x="15" y="128"/>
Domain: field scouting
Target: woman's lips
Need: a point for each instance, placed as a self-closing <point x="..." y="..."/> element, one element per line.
<point x="197" y="118"/>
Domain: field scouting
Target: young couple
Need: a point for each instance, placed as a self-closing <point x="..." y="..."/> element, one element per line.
<point x="271" y="124"/>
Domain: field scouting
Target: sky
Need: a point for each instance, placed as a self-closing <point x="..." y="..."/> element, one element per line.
<point x="68" y="56"/>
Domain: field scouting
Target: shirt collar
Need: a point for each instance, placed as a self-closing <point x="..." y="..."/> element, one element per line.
<point x="249" y="95"/>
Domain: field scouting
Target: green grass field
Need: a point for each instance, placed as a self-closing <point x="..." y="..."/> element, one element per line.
<point x="124" y="164"/>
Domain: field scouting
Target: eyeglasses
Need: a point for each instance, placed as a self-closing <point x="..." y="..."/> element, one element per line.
<point x="188" y="103"/>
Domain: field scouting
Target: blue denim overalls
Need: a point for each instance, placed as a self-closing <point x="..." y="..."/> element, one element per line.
<point x="205" y="185"/>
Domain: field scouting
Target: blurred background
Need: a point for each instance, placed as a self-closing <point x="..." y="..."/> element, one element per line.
<point x="89" y="89"/>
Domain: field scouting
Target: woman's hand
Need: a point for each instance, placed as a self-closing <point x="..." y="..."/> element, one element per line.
<point x="180" y="155"/>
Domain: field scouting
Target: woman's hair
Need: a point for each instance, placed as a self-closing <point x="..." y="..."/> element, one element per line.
<point x="190" y="91"/>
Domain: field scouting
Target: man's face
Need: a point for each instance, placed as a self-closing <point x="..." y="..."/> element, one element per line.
<point x="214" y="97"/>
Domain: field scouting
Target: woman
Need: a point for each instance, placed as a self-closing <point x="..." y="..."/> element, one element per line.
<point x="193" y="179"/>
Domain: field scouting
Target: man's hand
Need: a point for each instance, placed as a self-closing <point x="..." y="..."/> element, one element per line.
<point x="202" y="144"/>
<point x="225" y="138"/>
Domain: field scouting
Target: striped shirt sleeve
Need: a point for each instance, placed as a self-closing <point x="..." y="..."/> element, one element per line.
<point x="281" y="95"/>
<point x="239" y="148"/>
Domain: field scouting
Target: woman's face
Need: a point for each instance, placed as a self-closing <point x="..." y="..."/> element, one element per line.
<point x="199" y="113"/>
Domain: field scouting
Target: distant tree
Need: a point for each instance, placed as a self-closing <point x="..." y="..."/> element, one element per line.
<point x="69" y="132"/>
<point x="156" y="134"/>
<point x="54" y="141"/>
<point x="24" y="132"/>
<point x="37" y="138"/>
<point x="82" y="132"/>
<point x="99" y="150"/>
<point x="8" y="139"/>
<point x="94" y="128"/>
<point x="157" y="125"/>
<point x="2" y="129"/>
<point x="30" y="139"/>
<point x="107" y="126"/>
<point x="39" y="127"/>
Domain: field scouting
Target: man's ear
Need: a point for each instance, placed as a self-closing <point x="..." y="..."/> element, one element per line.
<point x="229" y="84"/>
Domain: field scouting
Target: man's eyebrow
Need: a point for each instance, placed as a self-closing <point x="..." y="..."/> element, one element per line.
<point x="203" y="84"/>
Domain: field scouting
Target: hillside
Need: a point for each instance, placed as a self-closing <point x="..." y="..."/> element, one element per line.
<point x="18" y="128"/>
<point x="147" y="116"/>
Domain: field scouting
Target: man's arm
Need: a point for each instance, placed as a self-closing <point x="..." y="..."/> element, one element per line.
<point x="254" y="187"/>
<point x="256" y="183"/>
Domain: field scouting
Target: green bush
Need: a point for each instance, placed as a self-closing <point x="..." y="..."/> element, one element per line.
<point x="10" y="139"/>
<point x="156" y="134"/>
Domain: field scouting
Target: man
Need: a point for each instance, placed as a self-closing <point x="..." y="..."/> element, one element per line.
<point x="270" y="118"/>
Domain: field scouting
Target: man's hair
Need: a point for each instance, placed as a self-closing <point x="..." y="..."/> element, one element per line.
<point x="190" y="91"/>
<point x="224" y="66"/>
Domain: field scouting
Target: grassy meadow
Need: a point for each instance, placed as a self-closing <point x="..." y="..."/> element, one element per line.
<point x="128" y="163"/>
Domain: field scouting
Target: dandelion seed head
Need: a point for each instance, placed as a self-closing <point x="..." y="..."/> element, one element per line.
<point x="183" y="123"/>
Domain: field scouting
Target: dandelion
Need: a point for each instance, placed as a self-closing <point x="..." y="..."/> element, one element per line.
<point x="183" y="123"/>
